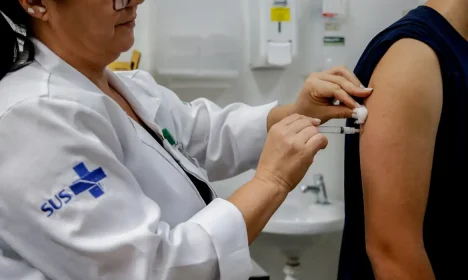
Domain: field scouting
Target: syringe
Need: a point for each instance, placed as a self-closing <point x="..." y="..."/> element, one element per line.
<point x="338" y="130"/>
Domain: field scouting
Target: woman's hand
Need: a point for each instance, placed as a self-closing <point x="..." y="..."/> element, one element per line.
<point x="322" y="89"/>
<point x="289" y="151"/>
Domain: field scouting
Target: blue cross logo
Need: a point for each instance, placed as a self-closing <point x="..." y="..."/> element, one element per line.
<point x="89" y="181"/>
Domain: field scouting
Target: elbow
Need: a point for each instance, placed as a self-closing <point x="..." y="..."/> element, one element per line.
<point x="389" y="255"/>
<point x="383" y="255"/>
<point x="379" y="251"/>
<point x="385" y="249"/>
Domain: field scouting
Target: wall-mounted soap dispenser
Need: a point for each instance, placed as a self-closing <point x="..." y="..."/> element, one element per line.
<point x="273" y="33"/>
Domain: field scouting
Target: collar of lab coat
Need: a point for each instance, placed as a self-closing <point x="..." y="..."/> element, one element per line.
<point x="57" y="66"/>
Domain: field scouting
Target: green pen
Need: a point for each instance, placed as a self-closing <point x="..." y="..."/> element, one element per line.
<point x="168" y="136"/>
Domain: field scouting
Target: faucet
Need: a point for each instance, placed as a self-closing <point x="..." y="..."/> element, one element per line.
<point x="317" y="187"/>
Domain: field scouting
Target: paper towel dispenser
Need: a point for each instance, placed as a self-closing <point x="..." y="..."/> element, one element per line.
<point x="273" y="33"/>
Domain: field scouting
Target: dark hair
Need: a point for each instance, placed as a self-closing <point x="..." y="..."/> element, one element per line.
<point x="16" y="48"/>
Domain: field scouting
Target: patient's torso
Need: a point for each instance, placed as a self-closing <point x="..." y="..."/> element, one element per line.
<point x="445" y="237"/>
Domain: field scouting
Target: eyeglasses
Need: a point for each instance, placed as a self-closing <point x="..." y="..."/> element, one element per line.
<point x="121" y="4"/>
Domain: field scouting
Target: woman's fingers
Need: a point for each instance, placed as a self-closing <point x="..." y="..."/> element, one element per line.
<point x="339" y="112"/>
<point x="341" y="81"/>
<point x="295" y="117"/>
<point x="290" y="119"/>
<point x="286" y="155"/>
<point x="300" y="125"/>
<point x="316" y="143"/>
<point x="316" y="122"/>
<point x="349" y="88"/>
<point x="345" y="73"/>
<point x="304" y="135"/>
<point x="345" y="99"/>
<point x="329" y="87"/>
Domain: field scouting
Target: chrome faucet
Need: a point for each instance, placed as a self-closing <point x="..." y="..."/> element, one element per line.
<point x="317" y="187"/>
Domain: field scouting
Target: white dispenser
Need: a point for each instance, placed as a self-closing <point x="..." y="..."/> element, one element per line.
<point x="273" y="33"/>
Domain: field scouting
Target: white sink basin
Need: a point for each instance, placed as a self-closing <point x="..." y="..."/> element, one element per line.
<point x="298" y="225"/>
<point x="304" y="217"/>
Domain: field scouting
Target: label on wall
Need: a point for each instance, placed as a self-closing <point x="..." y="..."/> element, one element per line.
<point x="279" y="14"/>
<point x="334" y="41"/>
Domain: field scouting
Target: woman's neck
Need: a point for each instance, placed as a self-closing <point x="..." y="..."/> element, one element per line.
<point x="455" y="11"/>
<point x="79" y="58"/>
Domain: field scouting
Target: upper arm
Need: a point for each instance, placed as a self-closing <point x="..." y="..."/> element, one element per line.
<point x="397" y="145"/>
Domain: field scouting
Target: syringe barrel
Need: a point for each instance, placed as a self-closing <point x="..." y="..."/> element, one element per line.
<point x="338" y="130"/>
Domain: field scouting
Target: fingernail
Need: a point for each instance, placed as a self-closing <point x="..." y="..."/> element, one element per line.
<point x="358" y="105"/>
<point x="31" y="10"/>
<point x="354" y="116"/>
<point x="314" y="120"/>
<point x="366" y="88"/>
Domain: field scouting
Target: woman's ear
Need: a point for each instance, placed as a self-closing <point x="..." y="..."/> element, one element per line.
<point x="35" y="8"/>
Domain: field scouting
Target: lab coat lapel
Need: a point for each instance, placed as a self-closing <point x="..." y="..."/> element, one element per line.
<point x="146" y="113"/>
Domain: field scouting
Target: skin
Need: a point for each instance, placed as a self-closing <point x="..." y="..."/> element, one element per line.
<point x="90" y="34"/>
<point x="397" y="149"/>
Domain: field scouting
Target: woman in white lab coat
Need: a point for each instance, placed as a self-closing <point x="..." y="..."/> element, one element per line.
<point x="106" y="175"/>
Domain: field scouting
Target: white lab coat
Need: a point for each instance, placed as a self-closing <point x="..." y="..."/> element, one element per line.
<point x="137" y="214"/>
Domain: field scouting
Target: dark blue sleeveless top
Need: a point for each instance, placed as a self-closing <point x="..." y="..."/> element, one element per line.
<point x="445" y="234"/>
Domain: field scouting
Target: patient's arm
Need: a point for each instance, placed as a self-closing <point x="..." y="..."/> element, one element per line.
<point x="396" y="149"/>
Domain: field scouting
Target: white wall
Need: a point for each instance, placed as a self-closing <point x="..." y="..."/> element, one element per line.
<point x="366" y="19"/>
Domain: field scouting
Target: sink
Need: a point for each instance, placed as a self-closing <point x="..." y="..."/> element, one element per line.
<point x="301" y="215"/>
<point x="304" y="220"/>
<point x="300" y="222"/>
<point x="305" y="217"/>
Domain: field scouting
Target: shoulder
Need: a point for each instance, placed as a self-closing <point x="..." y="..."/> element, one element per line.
<point x="409" y="78"/>
<point x="408" y="63"/>
<point x="35" y="85"/>
<point x="41" y="124"/>
<point x="30" y="82"/>
<point x="36" y="89"/>
<point x="415" y="25"/>
<point x="407" y="55"/>
<point x="31" y="101"/>
<point x="43" y="114"/>
<point x="408" y="93"/>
